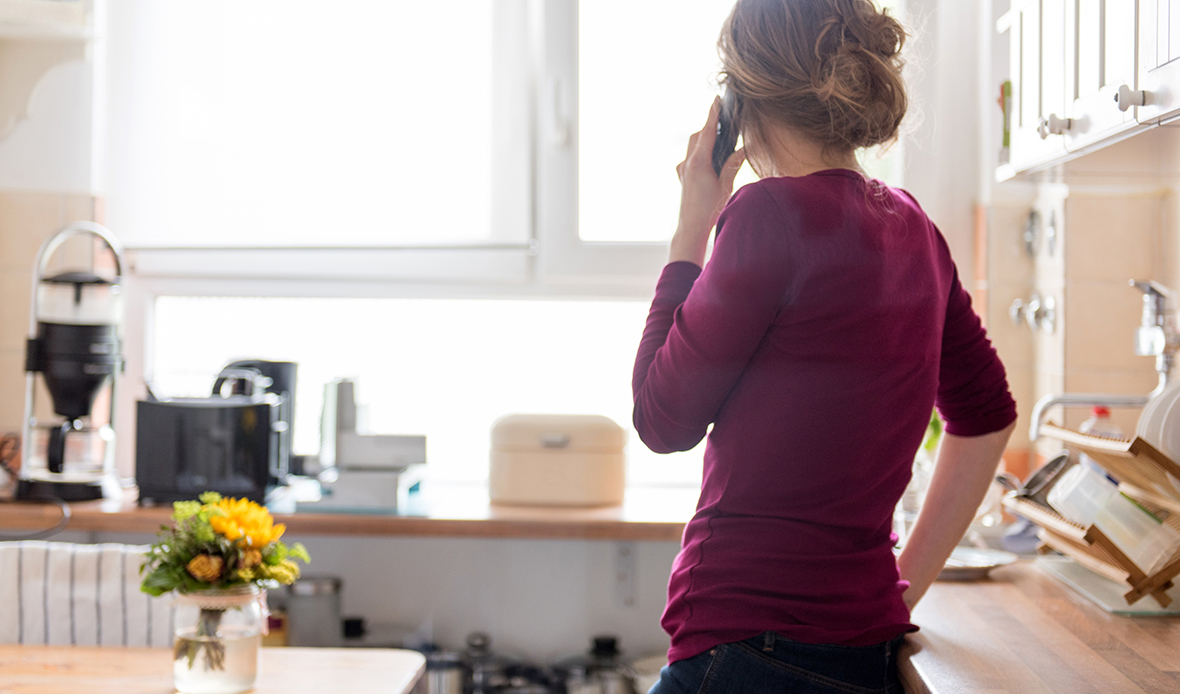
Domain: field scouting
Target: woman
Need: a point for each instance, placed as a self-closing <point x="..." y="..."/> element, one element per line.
<point x="827" y="323"/>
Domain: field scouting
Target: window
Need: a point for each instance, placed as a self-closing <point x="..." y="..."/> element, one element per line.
<point x="444" y="368"/>
<point x="464" y="205"/>
<point x="646" y="76"/>
<point x="309" y="124"/>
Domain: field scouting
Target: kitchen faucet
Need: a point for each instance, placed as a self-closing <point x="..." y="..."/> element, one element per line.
<point x="1155" y="336"/>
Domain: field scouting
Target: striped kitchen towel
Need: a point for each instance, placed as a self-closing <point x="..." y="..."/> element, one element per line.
<point x="61" y="593"/>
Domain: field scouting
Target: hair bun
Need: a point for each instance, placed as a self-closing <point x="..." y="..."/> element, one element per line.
<point x="829" y="69"/>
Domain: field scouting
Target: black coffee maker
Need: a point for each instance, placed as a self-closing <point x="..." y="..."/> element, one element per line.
<point x="237" y="441"/>
<point x="74" y="353"/>
<point x="278" y="378"/>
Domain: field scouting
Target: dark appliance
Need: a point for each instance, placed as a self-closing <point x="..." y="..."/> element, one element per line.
<point x="232" y="443"/>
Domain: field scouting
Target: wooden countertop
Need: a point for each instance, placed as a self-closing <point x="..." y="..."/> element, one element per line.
<point x="652" y="514"/>
<point x="1023" y="632"/>
<point x="71" y="669"/>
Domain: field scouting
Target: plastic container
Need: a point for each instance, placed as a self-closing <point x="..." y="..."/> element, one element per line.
<point x="1085" y="496"/>
<point x="313" y="612"/>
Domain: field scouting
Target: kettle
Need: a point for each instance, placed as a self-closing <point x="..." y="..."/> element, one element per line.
<point x="602" y="671"/>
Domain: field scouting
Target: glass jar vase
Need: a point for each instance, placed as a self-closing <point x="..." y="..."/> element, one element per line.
<point x="217" y="638"/>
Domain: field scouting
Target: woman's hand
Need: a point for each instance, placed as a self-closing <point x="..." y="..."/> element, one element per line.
<point x="703" y="193"/>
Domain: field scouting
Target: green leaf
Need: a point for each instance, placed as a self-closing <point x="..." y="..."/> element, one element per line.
<point x="160" y="581"/>
<point x="209" y="497"/>
<point x="274" y="554"/>
<point x="300" y="552"/>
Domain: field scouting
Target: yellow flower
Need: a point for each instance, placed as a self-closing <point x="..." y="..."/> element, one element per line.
<point x="242" y="519"/>
<point x="205" y="567"/>
<point x="284" y="572"/>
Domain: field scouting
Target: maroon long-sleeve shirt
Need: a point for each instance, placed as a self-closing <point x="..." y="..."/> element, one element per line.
<point x="828" y="322"/>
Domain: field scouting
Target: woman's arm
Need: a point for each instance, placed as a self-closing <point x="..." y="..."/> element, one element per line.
<point x="702" y="331"/>
<point x="702" y="192"/>
<point x="965" y="467"/>
<point x="700" y="334"/>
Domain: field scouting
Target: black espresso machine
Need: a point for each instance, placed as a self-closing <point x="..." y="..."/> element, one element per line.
<point x="73" y="362"/>
<point x="236" y="442"/>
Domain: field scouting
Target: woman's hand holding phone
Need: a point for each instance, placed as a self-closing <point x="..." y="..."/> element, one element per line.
<point x="703" y="193"/>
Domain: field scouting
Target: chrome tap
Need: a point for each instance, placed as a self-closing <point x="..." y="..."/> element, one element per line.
<point x="1155" y="336"/>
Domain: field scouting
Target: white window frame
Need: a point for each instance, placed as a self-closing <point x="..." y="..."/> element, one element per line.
<point x="553" y="258"/>
<point x="554" y="262"/>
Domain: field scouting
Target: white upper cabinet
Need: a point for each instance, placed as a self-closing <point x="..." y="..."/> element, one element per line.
<point x="1086" y="73"/>
<point x="1103" y="56"/>
<point x="1037" y="44"/>
<point x="1159" y="59"/>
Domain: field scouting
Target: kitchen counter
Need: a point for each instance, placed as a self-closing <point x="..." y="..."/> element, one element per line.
<point x="648" y="514"/>
<point x="1023" y="632"/>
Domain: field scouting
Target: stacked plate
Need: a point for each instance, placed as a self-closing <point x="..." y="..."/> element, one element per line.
<point x="1159" y="423"/>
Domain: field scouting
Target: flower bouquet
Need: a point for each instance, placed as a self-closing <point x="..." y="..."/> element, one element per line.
<point x="218" y="556"/>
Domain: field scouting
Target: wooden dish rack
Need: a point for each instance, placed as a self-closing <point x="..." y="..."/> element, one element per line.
<point x="1143" y="474"/>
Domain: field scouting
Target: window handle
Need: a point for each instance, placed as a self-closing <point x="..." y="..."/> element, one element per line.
<point x="560" y="134"/>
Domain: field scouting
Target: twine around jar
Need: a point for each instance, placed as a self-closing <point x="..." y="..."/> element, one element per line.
<point x="223" y="598"/>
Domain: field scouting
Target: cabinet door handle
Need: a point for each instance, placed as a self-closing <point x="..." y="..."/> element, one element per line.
<point x="1126" y="97"/>
<point x="1053" y="125"/>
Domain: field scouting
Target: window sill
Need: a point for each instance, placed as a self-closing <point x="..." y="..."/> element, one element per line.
<point x="648" y="514"/>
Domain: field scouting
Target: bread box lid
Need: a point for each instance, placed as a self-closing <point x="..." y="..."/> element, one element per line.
<point x="558" y="432"/>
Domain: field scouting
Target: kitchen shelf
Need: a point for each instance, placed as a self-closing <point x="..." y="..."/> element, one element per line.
<point x="35" y="37"/>
<point x="45" y="19"/>
<point x="648" y="514"/>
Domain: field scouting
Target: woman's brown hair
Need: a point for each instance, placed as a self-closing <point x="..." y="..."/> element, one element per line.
<point x="830" y="70"/>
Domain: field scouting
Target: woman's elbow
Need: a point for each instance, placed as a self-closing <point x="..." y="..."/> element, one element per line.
<point x="664" y="436"/>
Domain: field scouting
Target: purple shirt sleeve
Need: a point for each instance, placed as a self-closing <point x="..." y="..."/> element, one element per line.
<point x="700" y="335"/>
<point x="973" y="394"/>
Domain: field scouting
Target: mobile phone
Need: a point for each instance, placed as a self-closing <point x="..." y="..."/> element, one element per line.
<point x="727" y="131"/>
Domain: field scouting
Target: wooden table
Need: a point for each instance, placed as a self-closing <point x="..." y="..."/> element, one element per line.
<point x="69" y="670"/>
<point x="1023" y="632"/>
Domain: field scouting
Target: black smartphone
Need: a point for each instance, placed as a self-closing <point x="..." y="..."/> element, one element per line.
<point x="727" y="131"/>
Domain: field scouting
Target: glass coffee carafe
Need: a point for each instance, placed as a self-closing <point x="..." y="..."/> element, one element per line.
<point x="75" y="356"/>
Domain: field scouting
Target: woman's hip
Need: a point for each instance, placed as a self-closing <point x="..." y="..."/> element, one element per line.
<point x="772" y="663"/>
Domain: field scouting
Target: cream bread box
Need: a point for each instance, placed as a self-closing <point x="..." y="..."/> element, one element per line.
<point x="557" y="460"/>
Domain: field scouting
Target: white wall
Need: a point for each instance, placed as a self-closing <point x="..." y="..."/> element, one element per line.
<point x="942" y="153"/>
<point x="52" y="150"/>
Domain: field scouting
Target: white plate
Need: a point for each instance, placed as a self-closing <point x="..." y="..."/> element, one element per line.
<point x="1145" y="418"/>
<point x="1169" y="443"/>
<point x="1151" y="421"/>
<point x="968" y="563"/>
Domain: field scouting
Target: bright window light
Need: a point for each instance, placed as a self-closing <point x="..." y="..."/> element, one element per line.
<point x="646" y="76"/>
<point x="647" y="72"/>
<point x="301" y="123"/>
<point x="443" y="368"/>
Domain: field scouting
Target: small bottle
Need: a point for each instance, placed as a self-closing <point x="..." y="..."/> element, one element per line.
<point x="1099" y="424"/>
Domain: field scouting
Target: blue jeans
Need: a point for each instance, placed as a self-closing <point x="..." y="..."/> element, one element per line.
<point x="771" y="663"/>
